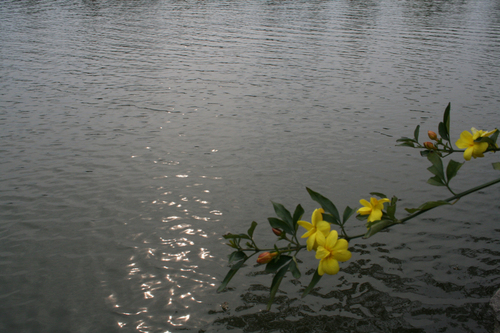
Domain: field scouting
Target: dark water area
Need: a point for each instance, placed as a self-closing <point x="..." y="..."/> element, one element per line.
<point x="134" y="134"/>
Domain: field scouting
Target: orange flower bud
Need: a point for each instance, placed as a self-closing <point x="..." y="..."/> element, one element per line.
<point x="432" y="135"/>
<point x="429" y="145"/>
<point x="277" y="231"/>
<point x="266" y="257"/>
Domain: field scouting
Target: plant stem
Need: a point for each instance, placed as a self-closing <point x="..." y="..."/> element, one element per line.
<point x="455" y="197"/>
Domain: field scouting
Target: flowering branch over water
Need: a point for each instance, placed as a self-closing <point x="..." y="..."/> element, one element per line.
<point x="331" y="246"/>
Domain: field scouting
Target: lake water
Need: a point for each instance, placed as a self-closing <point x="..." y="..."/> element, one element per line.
<point x="134" y="134"/>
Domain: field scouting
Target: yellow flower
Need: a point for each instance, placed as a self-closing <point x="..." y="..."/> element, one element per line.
<point x="331" y="250"/>
<point x="374" y="208"/>
<point x="472" y="148"/>
<point x="318" y="226"/>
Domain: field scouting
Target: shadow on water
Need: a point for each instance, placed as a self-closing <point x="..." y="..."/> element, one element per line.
<point x="384" y="294"/>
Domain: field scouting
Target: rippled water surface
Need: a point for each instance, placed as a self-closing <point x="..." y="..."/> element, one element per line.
<point x="134" y="134"/>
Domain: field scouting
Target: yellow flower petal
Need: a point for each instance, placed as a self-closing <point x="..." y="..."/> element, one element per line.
<point x="311" y="241"/>
<point x="329" y="266"/>
<point x="468" y="153"/>
<point x="365" y="203"/>
<point x="320" y="239"/>
<point x="321" y="252"/>
<point x="331" y="240"/>
<point x="364" y="210"/>
<point x="375" y="215"/>
<point x="465" y="140"/>
<point x="324" y="227"/>
<point x="317" y="216"/>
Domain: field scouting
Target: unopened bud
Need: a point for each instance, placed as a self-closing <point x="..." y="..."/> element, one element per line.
<point x="429" y="145"/>
<point x="432" y="135"/>
<point x="266" y="257"/>
<point x="277" y="231"/>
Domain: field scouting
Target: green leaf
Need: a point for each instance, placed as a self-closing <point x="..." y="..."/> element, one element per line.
<point x="377" y="227"/>
<point x="446" y="121"/>
<point x="362" y="217"/>
<point x="330" y="219"/>
<point x="452" y="169"/>
<point x="442" y="131"/>
<point x="378" y="194"/>
<point x="236" y="256"/>
<point x="277" y="223"/>
<point x="251" y="229"/>
<point x="274" y="265"/>
<point x="230" y="274"/>
<point x="496" y="165"/>
<point x="437" y="165"/>
<point x="348" y="211"/>
<point x="415" y="133"/>
<point x="494" y="136"/>
<point x="405" y="139"/>
<point x="391" y="209"/>
<point x="325" y="203"/>
<point x="428" y="205"/>
<point x="436" y="181"/>
<point x="297" y="215"/>
<point x="229" y="236"/>
<point x="294" y="268"/>
<point x="275" y="284"/>
<point x="315" y="279"/>
<point x="407" y="144"/>
<point x="485" y="139"/>
<point x="284" y="215"/>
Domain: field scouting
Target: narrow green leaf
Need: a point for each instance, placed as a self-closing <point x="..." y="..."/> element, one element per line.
<point x="330" y="219"/>
<point x="277" y="223"/>
<point x="405" y="139"/>
<point x="325" y="203"/>
<point x="282" y="212"/>
<point x="437" y="163"/>
<point x="274" y="265"/>
<point x="378" y="194"/>
<point x="391" y="209"/>
<point x="452" y="169"/>
<point x="362" y="217"/>
<point x="315" y="279"/>
<point x="297" y="215"/>
<point x="494" y="136"/>
<point x="496" y="165"/>
<point x="230" y="274"/>
<point x="428" y="205"/>
<point x="236" y="256"/>
<point x="446" y="121"/>
<point x="348" y="211"/>
<point x="407" y="144"/>
<point x="435" y="171"/>
<point x="251" y="229"/>
<point x="275" y="285"/>
<point x="294" y="268"/>
<point x="416" y="132"/>
<point x="485" y="139"/>
<point x="377" y="227"/>
<point x="436" y="181"/>
<point x="424" y="153"/>
<point x="442" y="131"/>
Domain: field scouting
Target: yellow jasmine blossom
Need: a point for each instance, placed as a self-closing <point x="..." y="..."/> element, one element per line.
<point x="472" y="148"/>
<point x="331" y="250"/>
<point x="374" y="208"/>
<point x="316" y="227"/>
